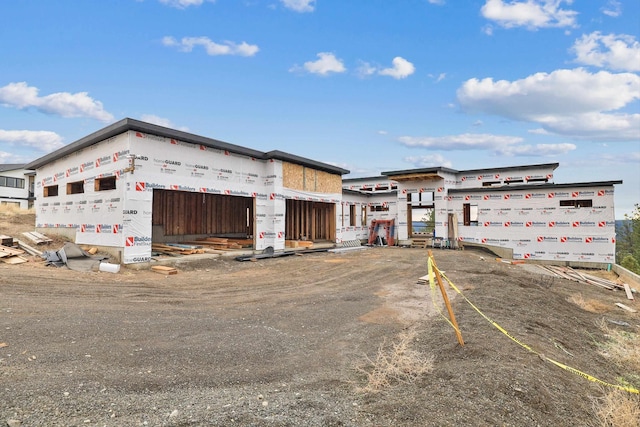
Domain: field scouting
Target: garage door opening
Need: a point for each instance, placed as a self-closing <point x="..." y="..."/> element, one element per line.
<point x="183" y="213"/>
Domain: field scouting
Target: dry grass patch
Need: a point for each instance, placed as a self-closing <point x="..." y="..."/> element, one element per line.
<point x="617" y="408"/>
<point x="590" y="305"/>
<point x="623" y="347"/>
<point x="394" y="364"/>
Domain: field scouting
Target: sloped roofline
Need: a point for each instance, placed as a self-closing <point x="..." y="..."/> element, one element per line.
<point x="128" y="124"/>
<point x="4" y="167"/>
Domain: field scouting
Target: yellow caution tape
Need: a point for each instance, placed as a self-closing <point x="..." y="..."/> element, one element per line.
<point x="432" y="266"/>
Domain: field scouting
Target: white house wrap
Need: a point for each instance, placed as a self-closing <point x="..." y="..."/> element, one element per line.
<point x="133" y="183"/>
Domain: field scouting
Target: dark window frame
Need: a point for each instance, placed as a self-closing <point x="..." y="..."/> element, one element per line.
<point x="76" y="187"/>
<point x="105" y="184"/>
<point x="50" y="191"/>
<point x="576" y="203"/>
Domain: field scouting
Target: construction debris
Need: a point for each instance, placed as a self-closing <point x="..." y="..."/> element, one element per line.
<point x="626" y="307"/>
<point x="27" y="248"/>
<point x="576" y="276"/>
<point x="10" y="255"/>
<point x="175" y="249"/>
<point x="36" y="237"/>
<point x="73" y="257"/>
<point x="627" y="290"/>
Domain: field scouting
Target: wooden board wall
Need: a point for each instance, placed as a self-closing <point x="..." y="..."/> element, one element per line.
<point x="298" y="177"/>
<point x="183" y="212"/>
<point x="314" y="221"/>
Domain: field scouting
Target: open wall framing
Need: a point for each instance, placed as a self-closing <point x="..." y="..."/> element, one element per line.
<point x="188" y="213"/>
<point x="306" y="220"/>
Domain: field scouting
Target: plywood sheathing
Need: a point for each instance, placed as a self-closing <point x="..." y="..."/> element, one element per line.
<point x="298" y="177"/>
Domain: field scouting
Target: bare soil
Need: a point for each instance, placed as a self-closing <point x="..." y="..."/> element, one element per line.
<point x="287" y="342"/>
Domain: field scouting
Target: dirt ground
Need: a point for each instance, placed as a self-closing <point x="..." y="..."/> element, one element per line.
<point x="289" y="342"/>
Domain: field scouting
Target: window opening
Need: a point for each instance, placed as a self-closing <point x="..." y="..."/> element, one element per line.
<point x="104" y="184"/>
<point x="50" y="191"/>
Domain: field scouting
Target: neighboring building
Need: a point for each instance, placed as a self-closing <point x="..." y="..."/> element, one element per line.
<point x="132" y="183"/>
<point x="16" y="186"/>
<point x="518" y="208"/>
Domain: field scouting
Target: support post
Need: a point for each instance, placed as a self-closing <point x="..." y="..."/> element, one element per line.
<point x="446" y="299"/>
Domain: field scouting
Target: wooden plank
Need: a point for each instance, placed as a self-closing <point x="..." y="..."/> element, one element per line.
<point x="625" y="307"/>
<point x="7" y="251"/>
<point x="28" y="249"/>
<point x="13" y="260"/>
<point x="162" y="269"/>
<point x="627" y="290"/>
<point x="41" y="237"/>
<point x="36" y="237"/>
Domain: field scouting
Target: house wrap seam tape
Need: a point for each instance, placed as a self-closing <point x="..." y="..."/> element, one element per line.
<point x="432" y="267"/>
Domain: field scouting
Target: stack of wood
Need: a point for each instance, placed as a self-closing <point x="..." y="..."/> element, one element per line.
<point x="10" y="254"/>
<point x="176" y="249"/>
<point x="36" y="237"/>
<point x="421" y="242"/>
<point x="224" y="243"/>
<point x="298" y="244"/>
<point x="581" y="277"/>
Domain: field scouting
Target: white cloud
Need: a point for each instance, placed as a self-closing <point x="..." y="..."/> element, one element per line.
<point x="299" y="5"/>
<point x="465" y="141"/>
<point x="65" y="104"/>
<point x="531" y="14"/>
<point x="438" y="2"/>
<point x="613" y="8"/>
<point x="161" y="121"/>
<point x="614" y="51"/>
<point x="574" y="103"/>
<point x="400" y="70"/>
<point x="10" y="158"/>
<point x="537" y="150"/>
<point x="538" y="131"/>
<point x="498" y="144"/>
<point x="186" y="44"/>
<point x="431" y="160"/>
<point x="181" y="4"/>
<point x="365" y="69"/>
<point x="326" y="64"/>
<point x="42" y="140"/>
<point x="478" y="123"/>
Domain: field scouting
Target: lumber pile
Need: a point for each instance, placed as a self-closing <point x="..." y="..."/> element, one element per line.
<point x="421" y="242"/>
<point x="36" y="237"/>
<point x="223" y="243"/>
<point x="298" y="244"/>
<point x="581" y="277"/>
<point x="11" y="255"/>
<point x="176" y="249"/>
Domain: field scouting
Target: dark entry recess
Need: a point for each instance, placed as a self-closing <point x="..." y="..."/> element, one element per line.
<point x="186" y="213"/>
<point x="314" y="221"/>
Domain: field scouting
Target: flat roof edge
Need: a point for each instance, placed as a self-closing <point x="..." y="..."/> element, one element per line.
<point x="534" y="186"/>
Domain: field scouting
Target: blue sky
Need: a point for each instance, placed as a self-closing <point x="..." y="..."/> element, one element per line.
<point x="367" y="85"/>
